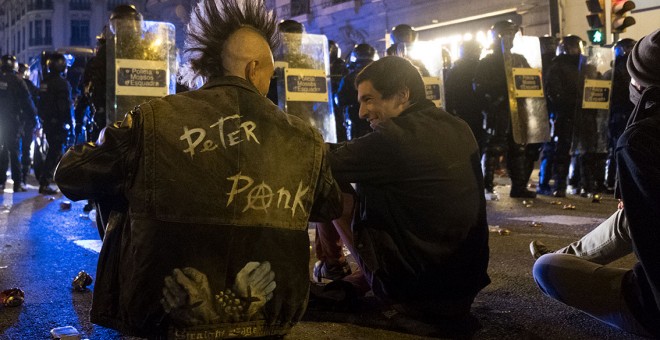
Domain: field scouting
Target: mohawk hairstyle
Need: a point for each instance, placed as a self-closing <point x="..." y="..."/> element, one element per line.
<point x="212" y="22"/>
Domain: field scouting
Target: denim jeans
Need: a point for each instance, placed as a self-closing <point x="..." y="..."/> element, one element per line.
<point x="577" y="276"/>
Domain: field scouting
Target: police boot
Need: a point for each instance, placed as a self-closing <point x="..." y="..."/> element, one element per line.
<point x="518" y="174"/>
<point x="490" y="164"/>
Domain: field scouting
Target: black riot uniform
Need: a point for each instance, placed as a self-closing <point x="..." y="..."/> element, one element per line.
<point x="620" y="104"/>
<point x="55" y="113"/>
<point x="564" y="84"/>
<point x="90" y="108"/>
<point x="491" y="90"/>
<point x="548" y="52"/>
<point x="338" y="70"/>
<point x="346" y="97"/>
<point x="28" y="122"/>
<point x="459" y="93"/>
<point x="16" y="100"/>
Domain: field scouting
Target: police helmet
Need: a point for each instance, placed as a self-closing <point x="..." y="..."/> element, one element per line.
<point x="397" y="49"/>
<point x="548" y="44"/>
<point x="334" y="50"/>
<point x="403" y="33"/>
<point x="291" y="26"/>
<point x="23" y="69"/>
<point x="363" y="52"/>
<point x="9" y="63"/>
<point x="56" y="63"/>
<point x="623" y="47"/>
<point x="570" y="45"/>
<point x="469" y="49"/>
<point x="503" y="28"/>
<point x="125" y="13"/>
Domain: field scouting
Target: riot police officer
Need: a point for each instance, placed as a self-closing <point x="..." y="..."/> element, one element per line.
<point x="460" y="97"/>
<point x="346" y="97"/>
<point x="563" y="85"/>
<point x="492" y="92"/>
<point x="55" y="113"/>
<point x="28" y="122"/>
<point x="126" y="25"/>
<point x="402" y="37"/>
<point x="548" y="52"/>
<point x="90" y="106"/>
<point x="16" y="100"/>
<point x="338" y="70"/>
<point x="620" y="104"/>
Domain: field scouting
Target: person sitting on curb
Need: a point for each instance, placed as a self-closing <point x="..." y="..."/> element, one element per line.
<point x="628" y="299"/>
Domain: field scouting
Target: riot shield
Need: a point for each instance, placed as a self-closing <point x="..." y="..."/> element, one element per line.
<point x="427" y="56"/>
<point x="141" y="65"/>
<point x="529" y="114"/>
<point x="302" y="72"/>
<point x="591" y="120"/>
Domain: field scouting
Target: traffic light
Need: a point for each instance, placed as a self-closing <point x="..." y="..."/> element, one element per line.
<point x="596" y="21"/>
<point x="596" y="37"/>
<point x="620" y="18"/>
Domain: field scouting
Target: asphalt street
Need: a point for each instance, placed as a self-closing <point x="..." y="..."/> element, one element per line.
<point x="44" y="244"/>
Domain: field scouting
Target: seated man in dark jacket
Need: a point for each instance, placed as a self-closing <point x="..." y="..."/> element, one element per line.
<point x="211" y="193"/>
<point x="628" y="299"/>
<point x="419" y="233"/>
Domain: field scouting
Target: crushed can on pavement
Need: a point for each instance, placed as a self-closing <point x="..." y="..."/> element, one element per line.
<point x="81" y="281"/>
<point x="12" y="297"/>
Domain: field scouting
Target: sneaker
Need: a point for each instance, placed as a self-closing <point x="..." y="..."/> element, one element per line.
<point x="324" y="273"/>
<point x="47" y="190"/>
<point x="522" y="193"/>
<point x="538" y="249"/>
<point x="19" y="188"/>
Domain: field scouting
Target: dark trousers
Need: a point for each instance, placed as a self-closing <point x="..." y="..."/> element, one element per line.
<point x="516" y="161"/>
<point x="9" y="155"/>
<point x="56" y="141"/>
<point x="26" y="157"/>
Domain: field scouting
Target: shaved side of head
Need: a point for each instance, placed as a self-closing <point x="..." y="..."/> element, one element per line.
<point x="243" y="47"/>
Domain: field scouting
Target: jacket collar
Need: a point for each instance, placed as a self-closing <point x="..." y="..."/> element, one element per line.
<point x="230" y="81"/>
<point x="418" y="106"/>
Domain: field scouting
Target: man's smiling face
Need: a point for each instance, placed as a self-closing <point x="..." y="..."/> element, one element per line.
<point x="374" y="108"/>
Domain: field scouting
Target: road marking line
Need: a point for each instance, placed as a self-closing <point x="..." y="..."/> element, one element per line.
<point x="91" y="245"/>
<point x="561" y="219"/>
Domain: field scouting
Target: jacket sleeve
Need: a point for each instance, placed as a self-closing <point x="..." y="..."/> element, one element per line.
<point x="367" y="159"/>
<point x="328" y="201"/>
<point x="100" y="170"/>
<point x="638" y="167"/>
<point x="26" y="102"/>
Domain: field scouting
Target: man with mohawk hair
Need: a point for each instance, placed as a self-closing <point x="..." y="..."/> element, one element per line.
<point x="208" y="230"/>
